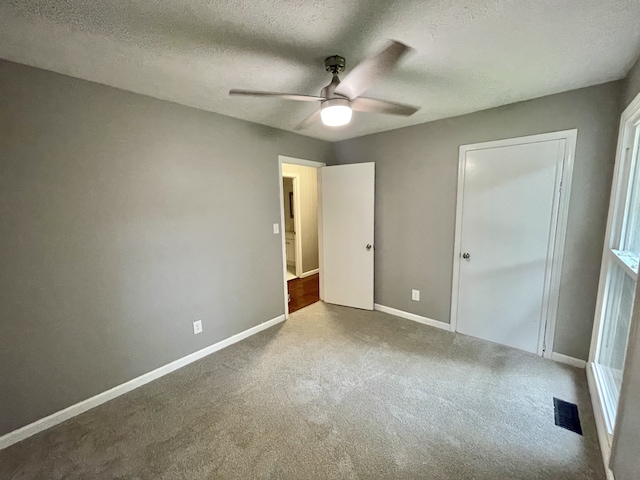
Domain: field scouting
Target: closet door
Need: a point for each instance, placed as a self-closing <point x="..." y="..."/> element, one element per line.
<point x="507" y="231"/>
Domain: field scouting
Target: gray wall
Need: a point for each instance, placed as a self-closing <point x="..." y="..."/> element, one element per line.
<point x="625" y="461"/>
<point x="631" y="84"/>
<point x="416" y="182"/>
<point x="124" y="219"/>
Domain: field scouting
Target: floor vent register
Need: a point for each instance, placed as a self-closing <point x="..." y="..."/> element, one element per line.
<point x="567" y="415"/>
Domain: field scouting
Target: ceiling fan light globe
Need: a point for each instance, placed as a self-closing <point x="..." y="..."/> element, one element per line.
<point x="336" y="112"/>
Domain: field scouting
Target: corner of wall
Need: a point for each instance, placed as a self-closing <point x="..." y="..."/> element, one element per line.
<point x="631" y="85"/>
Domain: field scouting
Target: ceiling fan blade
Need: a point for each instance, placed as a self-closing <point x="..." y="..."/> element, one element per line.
<point x="312" y="119"/>
<point x="372" y="105"/>
<point x="364" y="75"/>
<point x="284" y="96"/>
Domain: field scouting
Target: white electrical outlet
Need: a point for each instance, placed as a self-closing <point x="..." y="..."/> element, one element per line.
<point x="197" y="327"/>
<point x="276" y="228"/>
<point x="415" y="295"/>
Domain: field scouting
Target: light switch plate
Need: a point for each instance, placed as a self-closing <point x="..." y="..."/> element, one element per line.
<point x="415" y="295"/>
<point x="276" y="228"/>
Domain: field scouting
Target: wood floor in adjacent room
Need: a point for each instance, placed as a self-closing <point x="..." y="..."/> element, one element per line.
<point x="332" y="393"/>
<point x="303" y="292"/>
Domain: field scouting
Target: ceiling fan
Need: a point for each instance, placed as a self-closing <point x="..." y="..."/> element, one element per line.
<point x="340" y="98"/>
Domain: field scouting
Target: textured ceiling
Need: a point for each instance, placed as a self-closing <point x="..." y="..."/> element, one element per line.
<point x="469" y="55"/>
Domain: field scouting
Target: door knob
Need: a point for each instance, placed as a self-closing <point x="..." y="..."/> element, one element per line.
<point x="466" y="256"/>
<point x="368" y="246"/>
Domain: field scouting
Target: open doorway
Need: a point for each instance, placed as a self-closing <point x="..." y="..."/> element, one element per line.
<point x="337" y="256"/>
<point x="300" y="231"/>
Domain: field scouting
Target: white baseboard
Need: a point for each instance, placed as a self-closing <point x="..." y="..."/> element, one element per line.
<point x="575" y="362"/>
<point x="309" y="273"/>
<point x="81" y="407"/>
<point x="603" y="436"/>
<point x="412" y="316"/>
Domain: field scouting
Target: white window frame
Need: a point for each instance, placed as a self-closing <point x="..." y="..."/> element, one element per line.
<point x="605" y="407"/>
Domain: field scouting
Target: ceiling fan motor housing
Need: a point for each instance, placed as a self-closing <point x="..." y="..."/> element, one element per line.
<point x="335" y="102"/>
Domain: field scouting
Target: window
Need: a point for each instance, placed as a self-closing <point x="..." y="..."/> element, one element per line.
<point x="619" y="269"/>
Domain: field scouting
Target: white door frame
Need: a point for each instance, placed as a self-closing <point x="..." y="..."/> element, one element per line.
<point x="297" y="226"/>
<point x="560" y="215"/>
<point x="305" y="163"/>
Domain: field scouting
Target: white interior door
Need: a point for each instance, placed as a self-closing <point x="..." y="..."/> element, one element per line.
<point x="506" y="240"/>
<point x="347" y="234"/>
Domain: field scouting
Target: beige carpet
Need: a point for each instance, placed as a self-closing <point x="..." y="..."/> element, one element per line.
<point x="332" y="393"/>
